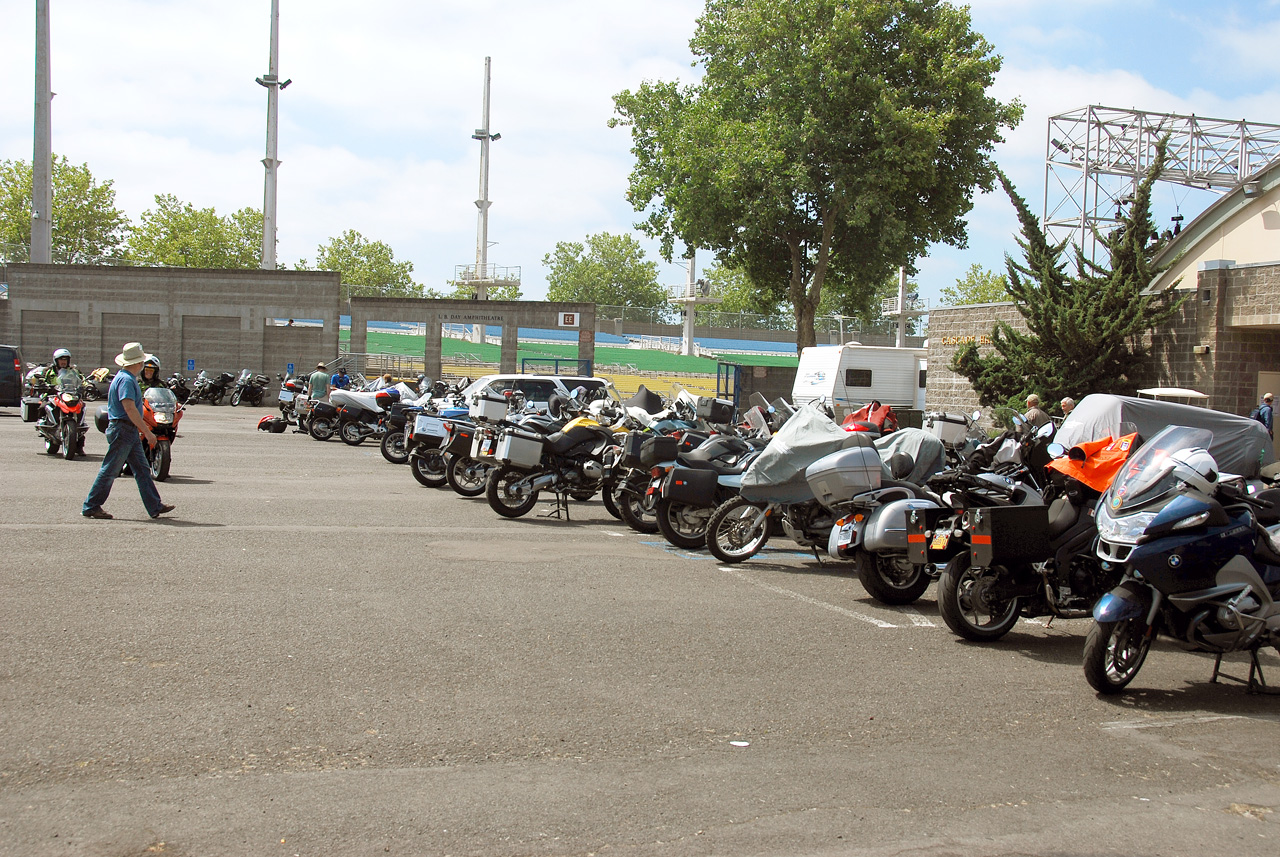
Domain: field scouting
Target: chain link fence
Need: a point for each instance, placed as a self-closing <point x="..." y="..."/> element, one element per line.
<point x="825" y="326"/>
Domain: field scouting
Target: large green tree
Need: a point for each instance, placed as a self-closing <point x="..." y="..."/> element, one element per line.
<point x="368" y="268"/>
<point x="1086" y="332"/>
<point x="87" y="226"/>
<point x="609" y="270"/>
<point x="825" y="136"/>
<point x="177" y="234"/>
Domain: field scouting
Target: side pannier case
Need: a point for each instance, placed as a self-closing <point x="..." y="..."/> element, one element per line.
<point x="842" y="475"/>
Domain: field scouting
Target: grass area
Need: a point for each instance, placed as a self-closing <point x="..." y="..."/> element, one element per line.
<point x="643" y="360"/>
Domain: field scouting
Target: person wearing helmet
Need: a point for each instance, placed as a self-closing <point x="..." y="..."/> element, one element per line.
<point x="150" y="375"/>
<point x="61" y="362"/>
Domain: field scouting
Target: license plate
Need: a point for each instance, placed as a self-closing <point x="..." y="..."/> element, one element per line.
<point x="846" y="535"/>
<point x="486" y="447"/>
<point x="429" y="426"/>
<point x="286" y="396"/>
<point x="939" y="541"/>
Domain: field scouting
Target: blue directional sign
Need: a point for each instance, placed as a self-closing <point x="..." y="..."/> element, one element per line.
<point x="289" y="368"/>
<point x="191" y="365"/>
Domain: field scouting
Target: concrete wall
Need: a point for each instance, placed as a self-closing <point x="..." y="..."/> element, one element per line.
<point x="950" y="328"/>
<point x="221" y="319"/>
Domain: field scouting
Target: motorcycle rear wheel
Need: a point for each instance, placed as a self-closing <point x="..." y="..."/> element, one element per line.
<point x="320" y="428"/>
<point x="70" y="439"/>
<point x="235" y="399"/>
<point x="161" y="458"/>
<point x="891" y="578"/>
<point x="507" y="501"/>
<point x="351" y="434"/>
<point x="467" y="476"/>
<point x="635" y="515"/>
<point x="428" y="468"/>
<point x="89" y="393"/>
<point x="681" y="524"/>
<point x="393" y="448"/>
<point x="1114" y="652"/>
<point x="731" y="535"/>
<point x="966" y="603"/>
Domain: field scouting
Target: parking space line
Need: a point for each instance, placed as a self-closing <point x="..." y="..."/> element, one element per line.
<point x="917" y="618"/>
<point x="862" y="617"/>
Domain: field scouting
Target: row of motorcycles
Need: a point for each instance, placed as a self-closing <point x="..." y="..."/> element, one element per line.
<point x="1143" y="535"/>
<point x="248" y="388"/>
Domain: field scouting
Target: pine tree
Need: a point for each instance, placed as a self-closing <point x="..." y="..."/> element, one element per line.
<point x="1085" y="332"/>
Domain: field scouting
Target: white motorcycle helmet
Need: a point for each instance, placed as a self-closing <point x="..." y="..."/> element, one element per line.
<point x="59" y="354"/>
<point x="1195" y="467"/>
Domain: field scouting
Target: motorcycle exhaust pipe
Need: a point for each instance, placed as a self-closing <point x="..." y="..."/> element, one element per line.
<point x="538" y="483"/>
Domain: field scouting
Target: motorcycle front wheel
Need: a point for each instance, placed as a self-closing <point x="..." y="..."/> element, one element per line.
<point x="969" y="603"/>
<point x="70" y="439"/>
<point x="891" y="578"/>
<point x="428" y="468"/>
<point x="320" y="428"/>
<point x="161" y="458"/>
<point x="683" y="525"/>
<point x="734" y="534"/>
<point x="466" y="476"/>
<point x="393" y="448"/>
<point x="506" y="496"/>
<point x="351" y="434"/>
<point x="1114" y="652"/>
<point x="89" y="393"/>
<point x="634" y="514"/>
<point x="235" y="398"/>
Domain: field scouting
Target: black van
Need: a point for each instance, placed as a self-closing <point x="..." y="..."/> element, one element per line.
<point x="11" y="372"/>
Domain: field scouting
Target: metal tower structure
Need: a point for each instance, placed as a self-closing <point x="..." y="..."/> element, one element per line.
<point x="42" y="156"/>
<point x="689" y="296"/>
<point x="1095" y="157"/>
<point x="273" y="84"/>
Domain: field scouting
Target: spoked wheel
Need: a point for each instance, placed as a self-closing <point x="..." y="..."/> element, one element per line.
<point x="890" y="578"/>
<point x="235" y="398"/>
<point x="509" y="493"/>
<point x="320" y="428"/>
<point x="351" y="434"/>
<point x="393" y="448"/>
<point x="1114" y="652"/>
<point x="737" y="530"/>
<point x="970" y="604"/>
<point x="609" y="496"/>
<point x="161" y="458"/>
<point x="466" y="475"/>
<point x="635" y="514"/>
<point x="683" y="525"/>
<point x="70" y="439"/>
<point x="428" y="468"/>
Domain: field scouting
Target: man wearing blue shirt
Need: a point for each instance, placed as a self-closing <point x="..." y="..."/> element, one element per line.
<point x="124" y="440"/>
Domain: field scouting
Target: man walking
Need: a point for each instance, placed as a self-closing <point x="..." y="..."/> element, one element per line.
<point x="1265" y="413"/>
<point x="124" y="445"/>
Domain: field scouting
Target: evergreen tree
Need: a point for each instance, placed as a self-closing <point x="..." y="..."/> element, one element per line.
<point x="1085" y="332"/>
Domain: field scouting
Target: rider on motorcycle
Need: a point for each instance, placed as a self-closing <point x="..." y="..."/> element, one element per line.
<point x="61" y="362"/>
<point x="150" y="375"/>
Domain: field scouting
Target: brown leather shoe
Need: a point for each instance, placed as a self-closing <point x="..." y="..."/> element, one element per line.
<point x="99" y="513"/>
<point x="164" y="509"/>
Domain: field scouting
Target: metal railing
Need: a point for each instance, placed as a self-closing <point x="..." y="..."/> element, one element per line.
<point x="486" y="273"/>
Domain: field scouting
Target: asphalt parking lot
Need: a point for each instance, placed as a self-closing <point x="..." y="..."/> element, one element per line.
<point x="314" y="655"/>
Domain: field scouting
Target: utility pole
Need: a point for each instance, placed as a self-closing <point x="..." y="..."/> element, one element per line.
<point x="482" y="227"/>
<point x="273" y="84"/>
<point x="42" y="160"/>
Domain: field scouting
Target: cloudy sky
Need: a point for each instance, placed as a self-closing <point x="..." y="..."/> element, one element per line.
<point x="375" y="131"/>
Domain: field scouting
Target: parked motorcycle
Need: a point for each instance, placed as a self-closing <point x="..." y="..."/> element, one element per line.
<point x="1199" y="558"/>
<point x="360" y="415"/>
<point x="62" y="421"/>
<point x="180" y="386"/>
<point x="211" y="389"/>
<point x="249" y="388"/>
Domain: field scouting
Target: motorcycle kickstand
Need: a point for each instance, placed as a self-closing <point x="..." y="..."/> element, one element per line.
<point x="561" y="510"/>
<point x="1256" y="683"/>
<point x="818" y="556"/>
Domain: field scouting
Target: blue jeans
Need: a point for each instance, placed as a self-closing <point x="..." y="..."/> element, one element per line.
<point x="124" y="446"/>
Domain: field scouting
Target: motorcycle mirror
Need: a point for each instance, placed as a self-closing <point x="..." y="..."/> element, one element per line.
<point x="977" y="415"/>
<point x="1056" y="450"/>
<point x="1046" y="430"/>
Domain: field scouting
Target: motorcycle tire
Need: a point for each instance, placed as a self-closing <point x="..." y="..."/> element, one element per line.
<point x="235" y="399"/>
<point x="609" y="496"/>
<point x="1114" y="652"/>
<point x="351" y="434"/>
<point x="731" y="534"/>
<point x="70" y="440"/>
<point x="393" y="448"/>
<point x="891" y="578"/>
<point x="89" y="393"/>
<point x="678" y="527"/>
<point x="635" y="515"/>
<point x="428" y="468"/>
<point x="161" y="458"/>
<point x="502" y="499"/>
<point x="966" y="607"/>
<point x="466" y="476"/>
<point x="320" y="428"/>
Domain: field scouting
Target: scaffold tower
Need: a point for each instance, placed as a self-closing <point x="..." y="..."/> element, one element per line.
<point x="690" y="295"/>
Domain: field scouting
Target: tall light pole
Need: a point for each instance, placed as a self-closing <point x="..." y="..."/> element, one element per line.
<point x="273" y="84"/>
<point x="42" y="160"/>
<point x="482" y="227"/>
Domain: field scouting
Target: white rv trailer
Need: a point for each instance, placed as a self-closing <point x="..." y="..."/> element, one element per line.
<point x="849" y="376"/>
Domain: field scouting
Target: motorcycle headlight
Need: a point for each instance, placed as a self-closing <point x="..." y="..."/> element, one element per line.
<point x="164" y="418"/>
<point x="1126" y="529"/>
<point x="67" y="397"/>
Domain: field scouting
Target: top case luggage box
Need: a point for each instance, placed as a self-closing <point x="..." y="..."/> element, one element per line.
<point x="842" y="475"/>
<point x="488" y="407"/>
<point x="658" y="448"/>
<point x="951" y="429"/>
<point x="631" y="446"/>
<point x="719" y="411"/>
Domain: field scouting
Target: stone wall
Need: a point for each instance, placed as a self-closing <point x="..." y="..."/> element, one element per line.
<point x="950" y="328"/>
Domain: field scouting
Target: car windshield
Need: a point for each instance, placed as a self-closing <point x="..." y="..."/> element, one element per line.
<point x="1149" y="474"/>
<point x="69" y="381"/>
<point x="160" y="396"/>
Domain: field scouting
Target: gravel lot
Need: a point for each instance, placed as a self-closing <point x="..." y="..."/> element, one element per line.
<point x="314" y="655"/>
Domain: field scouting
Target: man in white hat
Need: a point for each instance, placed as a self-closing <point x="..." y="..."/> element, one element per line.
<point x="124" y="445"/>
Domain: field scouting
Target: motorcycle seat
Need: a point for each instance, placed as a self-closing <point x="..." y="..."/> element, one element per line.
<point x="1062" y="516"/>
<point x="723" y="468"/>
<point x="913" y="491"/>
<point x="1266" y="549"/>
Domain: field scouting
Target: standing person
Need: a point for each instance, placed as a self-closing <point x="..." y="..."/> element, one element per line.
<point x="340" y="380"/>
<point x="318" y="383"/>
<point x="1068" y="405"/>
<point x="124" y="446"/>
<point x="1034" y="414"/>
<point x="1265" y="414"/>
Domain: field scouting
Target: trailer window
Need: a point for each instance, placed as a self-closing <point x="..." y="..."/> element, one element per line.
<point x="923" y="373"/>
<point x="857" y="377"/>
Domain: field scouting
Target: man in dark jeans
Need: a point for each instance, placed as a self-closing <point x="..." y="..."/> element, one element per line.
<point x="124" y="440"/>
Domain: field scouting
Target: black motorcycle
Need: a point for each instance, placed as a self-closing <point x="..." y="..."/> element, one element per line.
<point x="180" y="386"/>
<point x="209" y="388"/>
<point x="249" y="388"/>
